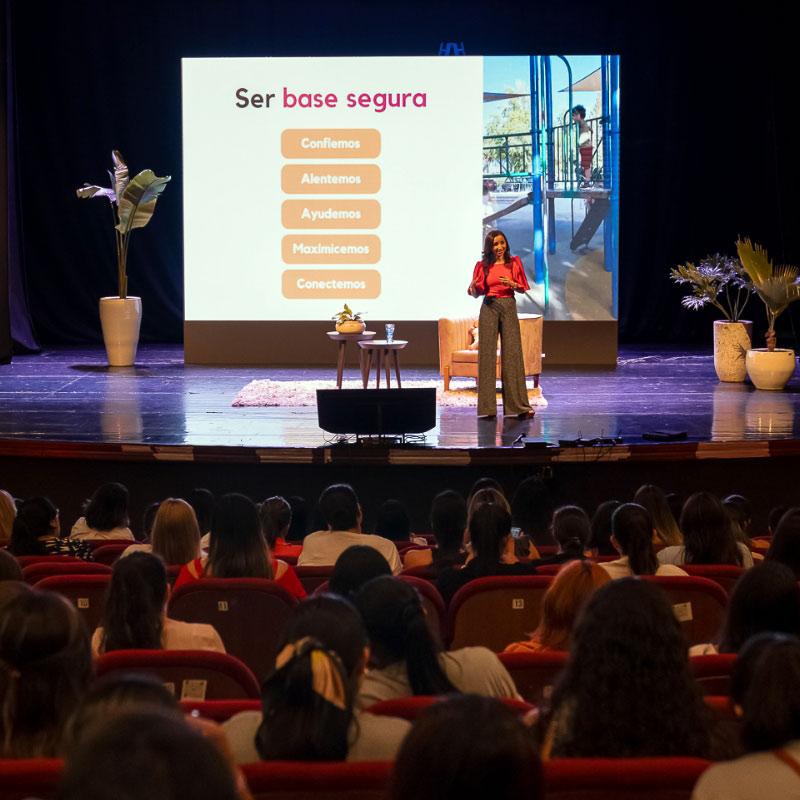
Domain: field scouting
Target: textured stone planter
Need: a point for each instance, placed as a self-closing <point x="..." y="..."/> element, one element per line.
<point x="120" y="320"/>
<point x="770" y="369"/>
<point x="731" y="343"/>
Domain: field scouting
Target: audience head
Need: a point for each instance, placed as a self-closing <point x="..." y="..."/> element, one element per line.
<point x="393" y="522"/>
<point x="765" y="598"/>
<point x="276" y="517"/>
<point x="308" y="700"/>
<point x="485" y="483"/>
<point x="298" y="527"/>
<point x="708" y="536"/>
<point x="148" y="520"/>
<point x="487" y="496"/>
<point x="740" y="513"/>
<point x="532" y="509"/>
<point x="7" y="513"/>
<point x="36" y="517"/>
<point x="144" y="756"/>
<point x="133" y="615"/>
<point x="202" y="501"/>
<point x="398" y="632"/>
<point x="45" y="667"/>
<point x="339" y="507"/>
<point x="654" y="500"/>
<point x="467" y="747"/>
<point x="354" y="567"/>
<point x="632" y="528"/>
<point x="774" y="517"/>
<point x="10" y="570"/>
<point x="571" y="530"/>
<point x="490" y="534"/>
<point x="238" y="548"/>
<point x="785" y="545"/>
<point x="600" y="540"/>
<point x="175" y="535"/>
<point x="572" y="587"/>
<point x="448" y="521"/>
<point x="107" y="508"/>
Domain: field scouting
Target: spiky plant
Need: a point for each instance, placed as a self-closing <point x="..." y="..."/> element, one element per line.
<point x="777" y="286"/>
<point x="718" y="280"/>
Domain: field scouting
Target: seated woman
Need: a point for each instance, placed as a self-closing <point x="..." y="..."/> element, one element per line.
<point x="666" y="528"/>
<point x="105" y="515"/>
<point x="708" y="536"/>
<point x="492" y="551"/>
<point x="45" y="669"/>
<point x="238" y="549"/>
<point x="308" y="703"/>
<point x="135" y="612"/>
<point x="354" y="567"/>
<point x="405" y="658"/>
<point x="632" y="536"/>
<point x="575" y="583"/>
<point x="764" y="687"/>
<point x="571" y="533"/>
<point x="275" y="514"/>
<point x="627" y="690"/>
<point x="448" y="520"/>
<point x="37" y="532"/>
<point x="532" y="509"/>
<point x="175" y="536"/>
<point x="599" y="543"/>
<point x="785" y="545"/>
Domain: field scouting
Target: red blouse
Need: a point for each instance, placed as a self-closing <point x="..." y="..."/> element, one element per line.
<point x="493" y="287"/>
<point x="193" y="571"/>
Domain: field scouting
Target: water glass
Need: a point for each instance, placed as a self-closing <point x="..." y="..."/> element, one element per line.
<point x="390" y="331"/>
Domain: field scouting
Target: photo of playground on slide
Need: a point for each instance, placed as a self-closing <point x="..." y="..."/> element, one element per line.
<point x="559" y="212"/>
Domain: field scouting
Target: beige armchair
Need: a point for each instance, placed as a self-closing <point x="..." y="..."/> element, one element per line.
<point x="456" y="359"/>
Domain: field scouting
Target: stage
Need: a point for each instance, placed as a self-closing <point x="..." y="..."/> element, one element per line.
<point x="65" y="415"/>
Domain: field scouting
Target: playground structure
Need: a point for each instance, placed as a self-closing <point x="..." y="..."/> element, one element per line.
<point x="544" y="164"/>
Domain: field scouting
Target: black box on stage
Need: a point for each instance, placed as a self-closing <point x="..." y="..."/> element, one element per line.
<point x="376" y="411"/>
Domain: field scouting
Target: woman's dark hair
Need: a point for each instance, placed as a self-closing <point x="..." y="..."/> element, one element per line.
<point x="238" y="548"/>
<point x="10" y="570"/>
<point x="466" y="747"/>
<point x="532" y="509"/>
<point x="632" y="527"/>
<point x="488" y="251"/>
<point x="484" y="483"/>
<point x="765" y="598"/>
<point x="202" y="501"/>
<point x="32" y="521"/>
<point x="45" y="668"/>
<point x="276" y="516"/>
<point x="149" y="754"/>
<point x="355" y="566"/>
<point x="785" y="545"/>
<point x="571" y="530"/>
<point x="764" y="683"/>
<point x="108" y="508"/>
<point x="299" y="724"/>
<point x="740" y="513"/>
<point x="299" y="525"/>
<point x="392" y="522"/>
<point x="134" y="605"/>
<point x="489" y="528"/>
<point x="654" y="500"/>
<point x="774" y="517"/>
<point x="629" y="649"/>
<point x="338" y="505"/>
<point x="148" y="518"/>
<point x="398" y="632"/>
<point x="448" y="519"/>
<point x="600" y="540"/>
<point x="708" y="536"/>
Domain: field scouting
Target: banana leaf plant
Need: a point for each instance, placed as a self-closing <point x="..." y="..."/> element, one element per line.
<point x="133" y="202"/>
<point x="777" y="286"/>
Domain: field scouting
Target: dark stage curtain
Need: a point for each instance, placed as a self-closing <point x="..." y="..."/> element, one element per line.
<point x="706" y="139"/>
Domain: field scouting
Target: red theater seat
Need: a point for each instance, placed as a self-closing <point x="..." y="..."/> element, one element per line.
<point x="86" y="592"/>
<point x="33" y="573"/>
<point x="219" y="710"/>
<point x="109" y="553"/>
<point x="713" y="672"/>
<point x="26" y="561"/>
<point x="410" y="708"/>
<point x="311" y="577"/>
<point x="725" y="575"/>
<point x="534" y="674"/>
<point x="22" y="778"/>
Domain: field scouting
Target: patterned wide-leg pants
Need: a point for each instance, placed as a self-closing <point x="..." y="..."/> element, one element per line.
<point x="499" y="314"/>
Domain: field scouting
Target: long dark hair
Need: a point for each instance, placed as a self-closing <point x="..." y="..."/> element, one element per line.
<point x="571" y="530"/>
<point x="134" y="605"/>
<point x="785" y="545"/>
<point x="108" y="508"/>
<point x="238" y="548"/>
<point x="488" y="252"/>
<point x="395" y="620"/>
<point x="276" y="516"/>
<point x="708" y="536"/>
<point x="32" y="521"/>
<point x="448" y="519"/>
<point x="652" y="497"/>
<point x="632" y="527"/>
<point x="600" y="540"/>
<point x="489" y="528"/>
<point x="532" y="508"/>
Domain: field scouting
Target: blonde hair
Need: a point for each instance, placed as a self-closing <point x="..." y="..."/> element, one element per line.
<point x="485" y="497"/>
<point x="176" y="535"/>
<point x="7" y="513"/>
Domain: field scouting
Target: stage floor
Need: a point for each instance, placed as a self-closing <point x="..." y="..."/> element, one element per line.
<point x="68" y="402"/>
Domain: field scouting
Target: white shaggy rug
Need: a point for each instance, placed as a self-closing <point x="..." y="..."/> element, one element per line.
<point x="463" y="393"/>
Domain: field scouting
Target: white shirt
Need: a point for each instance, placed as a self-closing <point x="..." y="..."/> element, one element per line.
<point x="676" y="554"/>
<point x="621" y="568"/>
<point x="80" y="530"/>
<point x="322" y="548"/>
<point x="177" y="635"/>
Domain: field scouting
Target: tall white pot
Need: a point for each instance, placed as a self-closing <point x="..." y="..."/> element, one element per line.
<point x="770" y="369"/>
<point x="120" y="320"/>
<point x="731" y="343"/>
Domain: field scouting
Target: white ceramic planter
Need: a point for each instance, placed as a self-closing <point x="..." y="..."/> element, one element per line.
<point x="731" y="343"/>
<point x="770" y="369"/>
<point x="120" y="320"/>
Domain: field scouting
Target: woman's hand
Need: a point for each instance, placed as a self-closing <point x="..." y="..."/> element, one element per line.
<point x="506" y="281"/>
<point x="473" y="290"/>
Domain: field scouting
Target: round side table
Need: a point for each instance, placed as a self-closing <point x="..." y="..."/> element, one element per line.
<point x="382" y="348"/>
<point x="343" y="339"/>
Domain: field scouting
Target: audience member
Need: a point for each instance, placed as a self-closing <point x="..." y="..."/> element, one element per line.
<point x="532" y="509"/>
<point x="571" y="533"/>
<point x="785" y="545"/>
<point x="10" y="570"/>
<point x="599" y="543"/>
<point x="774" y="517"/>
<point x="7" y="513"/>
<point x="135" y="612"/>
<point x="175" y="536"/>
<point x="276" y="519"/>
<point x="448" y="519"/>
<point x="485" y="483"/>
<point x="105" y="515"/>
<point x="740" y="513"/>
<point x="406" y="658"/>
<point x="341" y="511"/>
<point x="298" y="529"/>
<point x="238" y="549"/>
<point x="354" y="567"/>
<point x="666" y="528"/>
<point x="148" y="520"/>
<point x="393" y="523"/>
<point x="466" y="748"/>
<point x="37" y="532"/>
<point x="575" y="583"/>
<point x="202" y="501"/>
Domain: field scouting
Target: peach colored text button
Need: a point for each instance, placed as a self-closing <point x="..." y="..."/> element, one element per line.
<point x="331" y="214"/>
<point x="330" y="179"/>
<point x="312" y="284"/>
<point x="324" y="249"/>
<point x="330" y="143"/>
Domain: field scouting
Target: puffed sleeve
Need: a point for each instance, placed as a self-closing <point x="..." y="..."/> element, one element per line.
<point x="478" y="278"/>
<point x="518" y="274"/>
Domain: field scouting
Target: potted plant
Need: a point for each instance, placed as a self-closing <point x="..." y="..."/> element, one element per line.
<point x="720" y="281"/>
<point x="133" y="202"/>
<point x="770" y="367"/>
<point x="348" y="321"/>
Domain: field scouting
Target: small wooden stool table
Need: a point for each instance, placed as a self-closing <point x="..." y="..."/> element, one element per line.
<point x="383" y="348"/>
<point x="343" y="339"/>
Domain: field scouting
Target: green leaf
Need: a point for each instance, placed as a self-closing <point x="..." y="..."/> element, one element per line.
<point x="88" y="190"/>
<point x="120" y="179"/>
<point x="755" y="260"/>
<point x="138" y="200"/>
